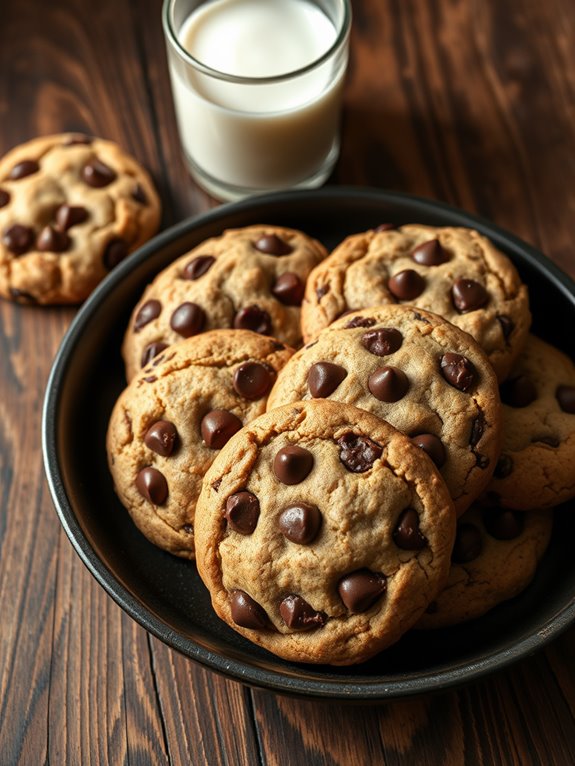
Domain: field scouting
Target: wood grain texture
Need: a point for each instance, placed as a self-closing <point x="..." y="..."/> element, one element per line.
<point x="472" y="102"/>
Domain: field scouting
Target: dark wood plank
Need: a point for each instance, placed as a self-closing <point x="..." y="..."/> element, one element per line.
<point x="207" y="719"/>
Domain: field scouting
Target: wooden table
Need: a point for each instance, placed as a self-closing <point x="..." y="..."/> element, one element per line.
<point x="467" y="101"/>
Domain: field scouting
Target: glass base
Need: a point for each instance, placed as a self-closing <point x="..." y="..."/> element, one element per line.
<point x="231" y="193"/>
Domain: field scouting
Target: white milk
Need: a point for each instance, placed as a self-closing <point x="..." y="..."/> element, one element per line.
<point x="258" y="135"/>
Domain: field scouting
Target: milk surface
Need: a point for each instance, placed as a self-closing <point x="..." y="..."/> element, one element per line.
<point x="258" y="134"/>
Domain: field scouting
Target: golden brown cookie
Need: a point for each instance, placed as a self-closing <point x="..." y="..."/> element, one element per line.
<point x="537" y="464"/>
<point x="251" y="279"/>
<point x="494" y="558"/>
<point x="71" y="208"/>
<point x="322" y="533"/>
<point x="454" y="272"/>
<point x="414" y="369"/>
<point x="175" y="416"/>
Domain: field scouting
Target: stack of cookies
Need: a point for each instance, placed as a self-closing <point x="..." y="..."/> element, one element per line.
<point x="349" y="445"/>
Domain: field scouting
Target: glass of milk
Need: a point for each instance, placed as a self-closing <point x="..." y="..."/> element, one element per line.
<point x="257" y="88"/>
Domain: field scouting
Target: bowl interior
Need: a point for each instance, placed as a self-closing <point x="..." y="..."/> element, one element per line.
<point x="164" y="593"/>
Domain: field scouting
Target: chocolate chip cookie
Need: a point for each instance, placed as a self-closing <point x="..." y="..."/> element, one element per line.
<point x="537" y="464"/>
<point x="495" y="556"/>
<point x="322" y="533"/>
<point x="454" y="272"/>
<point x="414" y="369"/>
<point x="251" y="279"/>
<point x="71" y="208"/>
<point x="175" y="416"/>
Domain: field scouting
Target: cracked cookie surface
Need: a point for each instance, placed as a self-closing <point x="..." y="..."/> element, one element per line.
<point x="322" y="533"/>
<point x="251" y="278"/>
<point x="537" y="464"/>
<point x="495" y="556"/>
<point x="417" y="371"/>
<point x="170" y="422"/>
<point x="454" y="272"/>
<point x="71" y="208"/>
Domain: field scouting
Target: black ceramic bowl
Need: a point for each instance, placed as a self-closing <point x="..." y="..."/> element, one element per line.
<point x="164" y="593"/>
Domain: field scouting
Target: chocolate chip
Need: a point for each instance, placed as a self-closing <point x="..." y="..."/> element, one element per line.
<point x="299" y="615"/>
<point x="300" y="523"/>
<point x="246" y="612"/>
<point x="218" y="427"/>
<point x="52" y="240"/>
<point x="321" y="291"/>
<point x="360" y="322"/>
<point x="430" y="253"/>
<point x="188" y="529"/>
<point x="504" y="467"/>
<point x="477" y="429"/>
<point x="161" y="437"/>
<point x="242" y="512"/>
<point x="23" y="169"/>
<point x="406" y="285"/>
<point x="468" y="295"/>
<point x="115" y="252"/>
<point x="97" y="174"/>
<point x="468" y="544"/>
<point x="17" y="238"/>
<point x="458" y="371"/>
<point x="289" y="289"/>
<point x="70" y="215"/>
<point x="139" y="194"/>
<point x="384" y="227"/>
<point x="358" y="453"/>
<point x="565" y="395"/>
<point x="152" y="350"/>
<point x="148" y="312"/>
<point x="360" y="590"/>
<point x="324" y="377"/>
<point x="4" y="197"/>
<point x="253" y="318"/>
<point x="388" y="384"/>
<point x="188" y="319"/>
<point x="518" y="392"/>
<point x="198" y="266"/>
<point x="502" y="523"/>
<point x="292" y="464"/>
<point x="152" y="485"/>
<point x="386" y="340"/>
<point x="431" y="445"/>
<point x="271" y="244"/>
<point x="407" y="534"/>
<point x="253" y="380"/>
<point x="507" y="325"/>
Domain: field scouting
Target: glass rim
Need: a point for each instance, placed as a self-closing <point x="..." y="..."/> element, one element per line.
<point x="172" y="38"/>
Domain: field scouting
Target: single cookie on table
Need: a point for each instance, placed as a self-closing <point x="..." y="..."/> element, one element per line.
<point x="322" y="533"/>
<point x="537" y="464"/>
<point x="454" y="272"/>
<point x="251" y="279"/>
<point x="71" y="208"/>
<point x="494" y="558"/>
<point x="171" y="421"/>
<point x="414" y="369"/>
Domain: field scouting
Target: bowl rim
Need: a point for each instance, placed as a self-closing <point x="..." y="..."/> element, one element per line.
<point x="256" y="675"/>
